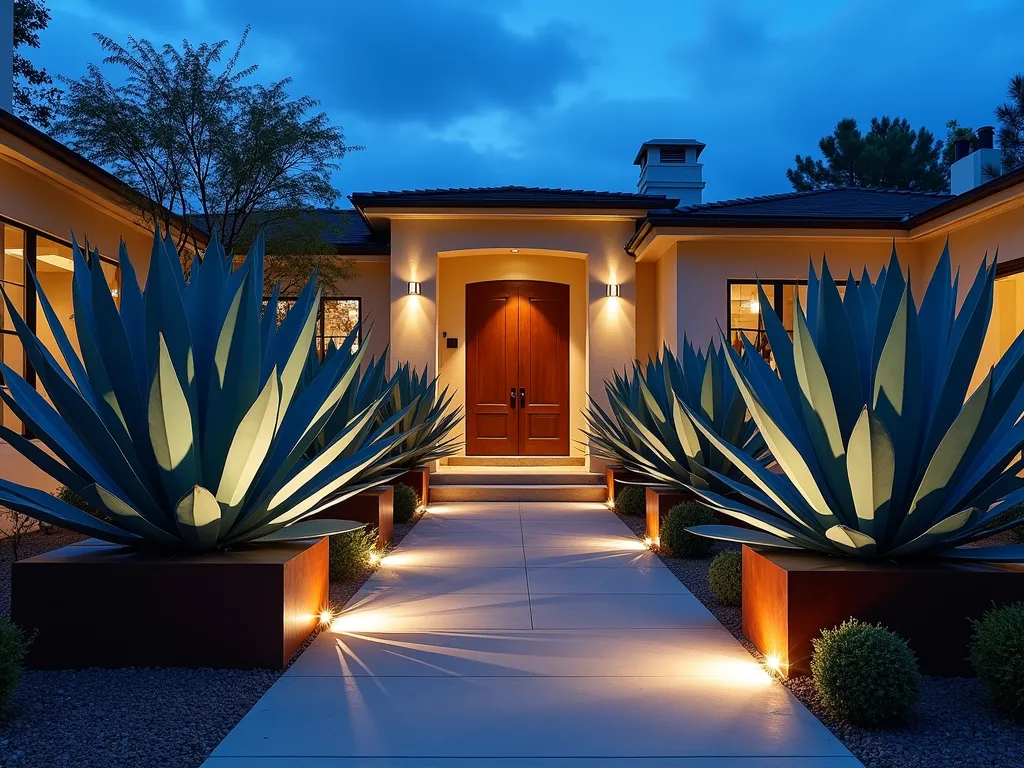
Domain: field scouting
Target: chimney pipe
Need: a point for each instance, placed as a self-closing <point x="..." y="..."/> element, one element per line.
<point x="962" y="148"/>
<point x="985" y="134"/>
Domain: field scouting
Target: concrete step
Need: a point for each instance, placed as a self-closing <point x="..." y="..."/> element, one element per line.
<point x="483" y="476"/>
<point x="515" y="461"/>
<point x="448" y="493"/>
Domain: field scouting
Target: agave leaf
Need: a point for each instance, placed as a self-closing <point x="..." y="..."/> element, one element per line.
<point x="198" y="516"/>
<point x="1006" y="553"/>
<point x="870" y="464"/>
<point x="741" y="536"/>
<point x="851" y="540"/>
<point x="312" y="529"/>
<point x="49" y="509"/>
<point x="170" y="426"/>
<point x="249" y="446"/>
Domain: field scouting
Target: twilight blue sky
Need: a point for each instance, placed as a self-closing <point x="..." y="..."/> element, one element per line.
<point x="562" y="92"/>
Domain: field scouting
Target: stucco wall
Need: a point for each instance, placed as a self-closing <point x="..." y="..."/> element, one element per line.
<point x="49" y="205"/>
<point x="705" y="266"/>
<point x="611" y="322"/>
<point x="648" y="340"/>
<point x="457" y="272"/>
<point x="372" y="284"/>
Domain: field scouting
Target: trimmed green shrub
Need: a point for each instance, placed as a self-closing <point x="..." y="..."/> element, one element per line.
<point x="726" y="577"/>
<point x="352" y="553"/>
<point x="68" y="496"/>
<point x="680" y="542"/>
<point x="406" y="503"/>
<point x="13" y="646"/>
<point x="997" y="655"/>
<point x="631" y="500"/>
<point x="865" y="674"/>
<point x="1015" y="512"/>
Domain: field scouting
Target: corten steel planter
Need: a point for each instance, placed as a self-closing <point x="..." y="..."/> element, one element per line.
<point x="659" y="500"/>
<point x="418" y="479"/>
<point x="789" y="597"/>
<point x="95" y="604"/>
<point x="374" y="506"/>
<point x="614" y="475"/>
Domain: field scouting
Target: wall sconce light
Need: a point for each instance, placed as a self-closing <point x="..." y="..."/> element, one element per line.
<point x="414" y="288"/>
<point x="614" y="290"/>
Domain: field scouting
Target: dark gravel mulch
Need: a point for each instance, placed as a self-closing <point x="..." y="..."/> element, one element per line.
<point x="954" y="728"/>
<point x="109" y="718"/>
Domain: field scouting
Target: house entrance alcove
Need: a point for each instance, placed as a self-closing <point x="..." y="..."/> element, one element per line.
<point x="517" y="368"/>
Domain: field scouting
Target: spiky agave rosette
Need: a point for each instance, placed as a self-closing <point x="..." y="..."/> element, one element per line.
<point x="425" y="419"/>
<point x="880" y="451"/>
<point x="180" y="422"/>
<point x="647" y="430"/>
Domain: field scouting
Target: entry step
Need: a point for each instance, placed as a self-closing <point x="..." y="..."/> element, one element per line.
<point x="520" y="492"/>
<point x="515" y="461"/>
<point x="514" y="476"/>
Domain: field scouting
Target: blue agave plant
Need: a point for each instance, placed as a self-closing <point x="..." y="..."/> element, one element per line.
<point x="647" y="430"/>
<point x="182" y="421"/>
<point x="880" y="450"/>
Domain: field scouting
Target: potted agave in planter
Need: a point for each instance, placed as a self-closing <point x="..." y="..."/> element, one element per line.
<point x="888" y="466"/>
<point x="407" y="404"/>
<point x="182" y="424"/>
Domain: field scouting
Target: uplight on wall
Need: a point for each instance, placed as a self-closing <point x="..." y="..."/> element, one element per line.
<point x="414" y="288"/>
<point x="614" y="290"/>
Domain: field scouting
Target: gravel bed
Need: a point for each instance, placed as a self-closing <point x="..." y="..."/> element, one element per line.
<point x="114" y="718"/>
<point x="954" y="727"/>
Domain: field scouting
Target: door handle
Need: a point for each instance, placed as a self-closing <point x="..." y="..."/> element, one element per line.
<point x="512" y="397"/>
<point x="522" y="397"/>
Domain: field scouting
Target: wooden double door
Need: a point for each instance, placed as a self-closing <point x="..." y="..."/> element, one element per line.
<point x="517" y="368"/>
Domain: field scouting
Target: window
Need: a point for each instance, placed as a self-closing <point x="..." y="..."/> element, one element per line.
<point x="25" y="248"/>
<point x="337" y="318"/>
<point x="745" y="310"/>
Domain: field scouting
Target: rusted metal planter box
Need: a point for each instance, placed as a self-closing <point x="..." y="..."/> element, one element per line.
<point x="659" y="500"/>
<point x="789" y="597"/>
<point x="418" y="479"/>
<point x="374" y="506"/>
<point x="94" y="604"/>
<point x="614" y="476"/>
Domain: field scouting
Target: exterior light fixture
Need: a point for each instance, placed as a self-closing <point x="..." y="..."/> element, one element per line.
<point x="774" y="663"/>
<point x="374" y="558"/>
<point x="614" y="290"/>
<point x="514" y="250"/>
<point x="326" y="618"/>
<point x="414" y="288"/>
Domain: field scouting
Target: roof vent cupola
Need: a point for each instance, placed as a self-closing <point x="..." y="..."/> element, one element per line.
<point x="670" y="167"/>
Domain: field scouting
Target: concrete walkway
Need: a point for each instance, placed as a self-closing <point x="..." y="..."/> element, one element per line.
<point x="518" y="634"/>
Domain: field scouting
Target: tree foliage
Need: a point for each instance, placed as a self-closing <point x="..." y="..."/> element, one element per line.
<point x="1011" y="125"/>
<point x="205" y="148"/>
<point x="35" y="97"/>
<point x="891" y="156"/>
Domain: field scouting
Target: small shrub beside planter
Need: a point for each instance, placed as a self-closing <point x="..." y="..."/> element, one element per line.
<point x="865" y="674"/>
<point x="680" y="542"/>
<point x="997" y="655"/>
<point x="353" y="554"/>
<point x="631" y="501"/>
<point x="13" y="647"/>
<point x="406" y="503"/>
<point x="726" y="577"/>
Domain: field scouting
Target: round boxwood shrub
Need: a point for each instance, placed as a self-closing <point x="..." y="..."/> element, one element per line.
<point x="865" y="674"/>
<point x="997" y="655"/>
<point x="726" y="577"/>
<point x="677" y="540"/>
<point x="351" y="554"/>
<point x="631" y="500"/>
<point x="406" y="503"/>
<point x="13" y="645"/>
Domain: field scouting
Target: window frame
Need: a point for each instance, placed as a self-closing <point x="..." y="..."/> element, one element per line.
<point x="321" y="333"/>
<point x="778" y="287"/>
<point x="29" y="260"/>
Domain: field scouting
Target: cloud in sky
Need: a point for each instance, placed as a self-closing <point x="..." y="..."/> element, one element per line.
<point x="539" y="92"/>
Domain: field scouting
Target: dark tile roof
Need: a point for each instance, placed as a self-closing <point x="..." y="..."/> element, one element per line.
<point x="344" y="229"/>
<point x="840" y="203"/>
<point x="511" y="197"/>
